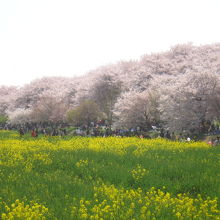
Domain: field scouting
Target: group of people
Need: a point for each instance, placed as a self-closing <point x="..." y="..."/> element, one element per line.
<point x="46" y="132"/>
<point x="97" y="130"/>
<point x="100" y="129"/>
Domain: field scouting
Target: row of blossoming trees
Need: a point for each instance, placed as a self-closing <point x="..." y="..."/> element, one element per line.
<point x="178" y="89"/>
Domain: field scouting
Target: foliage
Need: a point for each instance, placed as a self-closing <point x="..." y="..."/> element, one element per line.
<point x="84" y="114"/>
<point x="3" y="119"/>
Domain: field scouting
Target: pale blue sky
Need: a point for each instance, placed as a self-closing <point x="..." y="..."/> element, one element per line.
<point x="68" y="38"/>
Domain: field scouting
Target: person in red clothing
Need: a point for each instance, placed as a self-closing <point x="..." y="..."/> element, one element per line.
<point x="33" y="133"/>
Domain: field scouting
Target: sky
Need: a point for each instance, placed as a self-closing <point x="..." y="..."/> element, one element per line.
<point x="71" y="37"/>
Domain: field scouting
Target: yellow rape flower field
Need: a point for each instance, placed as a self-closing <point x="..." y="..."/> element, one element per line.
<point x="107" y="178"/>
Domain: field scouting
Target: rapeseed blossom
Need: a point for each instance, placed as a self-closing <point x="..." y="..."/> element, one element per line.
<point x="114" y="203"/>
<point x="106" y="178"/>
<point x="18" y="210"/>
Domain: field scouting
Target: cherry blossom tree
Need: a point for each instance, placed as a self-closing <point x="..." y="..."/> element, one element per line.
<point x="186" y="105"/>
<point x="7" y="97"/>
<point x="50" y="109"/>
<point x="19" y="116"/>
<point x="137" y="110"/>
